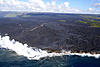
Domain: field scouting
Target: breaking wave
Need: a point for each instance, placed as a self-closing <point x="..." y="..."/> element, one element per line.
<point x="34" y="54"/>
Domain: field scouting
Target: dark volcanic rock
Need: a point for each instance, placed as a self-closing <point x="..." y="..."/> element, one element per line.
<point x="46" y="32"/>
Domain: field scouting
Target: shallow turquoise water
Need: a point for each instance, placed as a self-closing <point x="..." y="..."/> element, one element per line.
<point x="9" y="58"/>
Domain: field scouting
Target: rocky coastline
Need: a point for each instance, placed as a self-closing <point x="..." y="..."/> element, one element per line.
<point x="71" y="51"/>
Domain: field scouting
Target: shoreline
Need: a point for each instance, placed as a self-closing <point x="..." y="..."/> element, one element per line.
<point x="69" y="53"/>
<point x="82" y="54"/>
<point x="36" y="53"/>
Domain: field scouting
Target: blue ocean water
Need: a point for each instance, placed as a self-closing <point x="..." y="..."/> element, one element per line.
<point x="9" y="58"/>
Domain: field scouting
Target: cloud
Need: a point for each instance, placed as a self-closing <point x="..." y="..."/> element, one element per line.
<point x="66" y="4"/>
<point x="40" y="6"/>
<point x="13" y="5"/>
<point x="53" y="3"/>
<point x="96" y="5"/>
<point x="54" y="0"/>
<point x="34" y="5"/>
<point x="91" y="9"/>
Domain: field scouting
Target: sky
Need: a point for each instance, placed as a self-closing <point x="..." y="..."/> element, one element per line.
<point x="56" y="6"/>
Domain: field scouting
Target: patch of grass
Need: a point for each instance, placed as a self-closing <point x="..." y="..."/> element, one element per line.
<point x="94" y="24"/>
<point x="70" y="20"/>
<point x="12" y="15"/>
<point x="81" y="21"/>
<point x="62" y="20"/>
<point x="91" y="20"/>
<point x="26" y="16"/>
<point x="90" y="17"/>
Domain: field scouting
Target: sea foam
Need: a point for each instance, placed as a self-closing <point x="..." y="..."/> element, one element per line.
<point x="35" y="54"/>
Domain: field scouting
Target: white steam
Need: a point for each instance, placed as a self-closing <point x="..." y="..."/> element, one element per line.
<point x="23" y="49"/>
<point x="30" y="53"/>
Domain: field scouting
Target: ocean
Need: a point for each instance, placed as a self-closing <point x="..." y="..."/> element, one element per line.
<point x="16" y="54"/>
<point x="9" y="58"/>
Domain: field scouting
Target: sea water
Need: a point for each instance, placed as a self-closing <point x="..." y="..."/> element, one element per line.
<point x="16" y="54"/>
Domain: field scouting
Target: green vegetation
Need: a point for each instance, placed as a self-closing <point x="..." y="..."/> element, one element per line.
<point x="90" y="20"/>
<point x="26" y="16"/>
<point x="70" y="20"/>
<point x="12" y="15"/>
<point x="94" y="24"/>
<point x="81" y="21"/>
<point x="62" y="20"/>
<point x="90" y="17"/>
